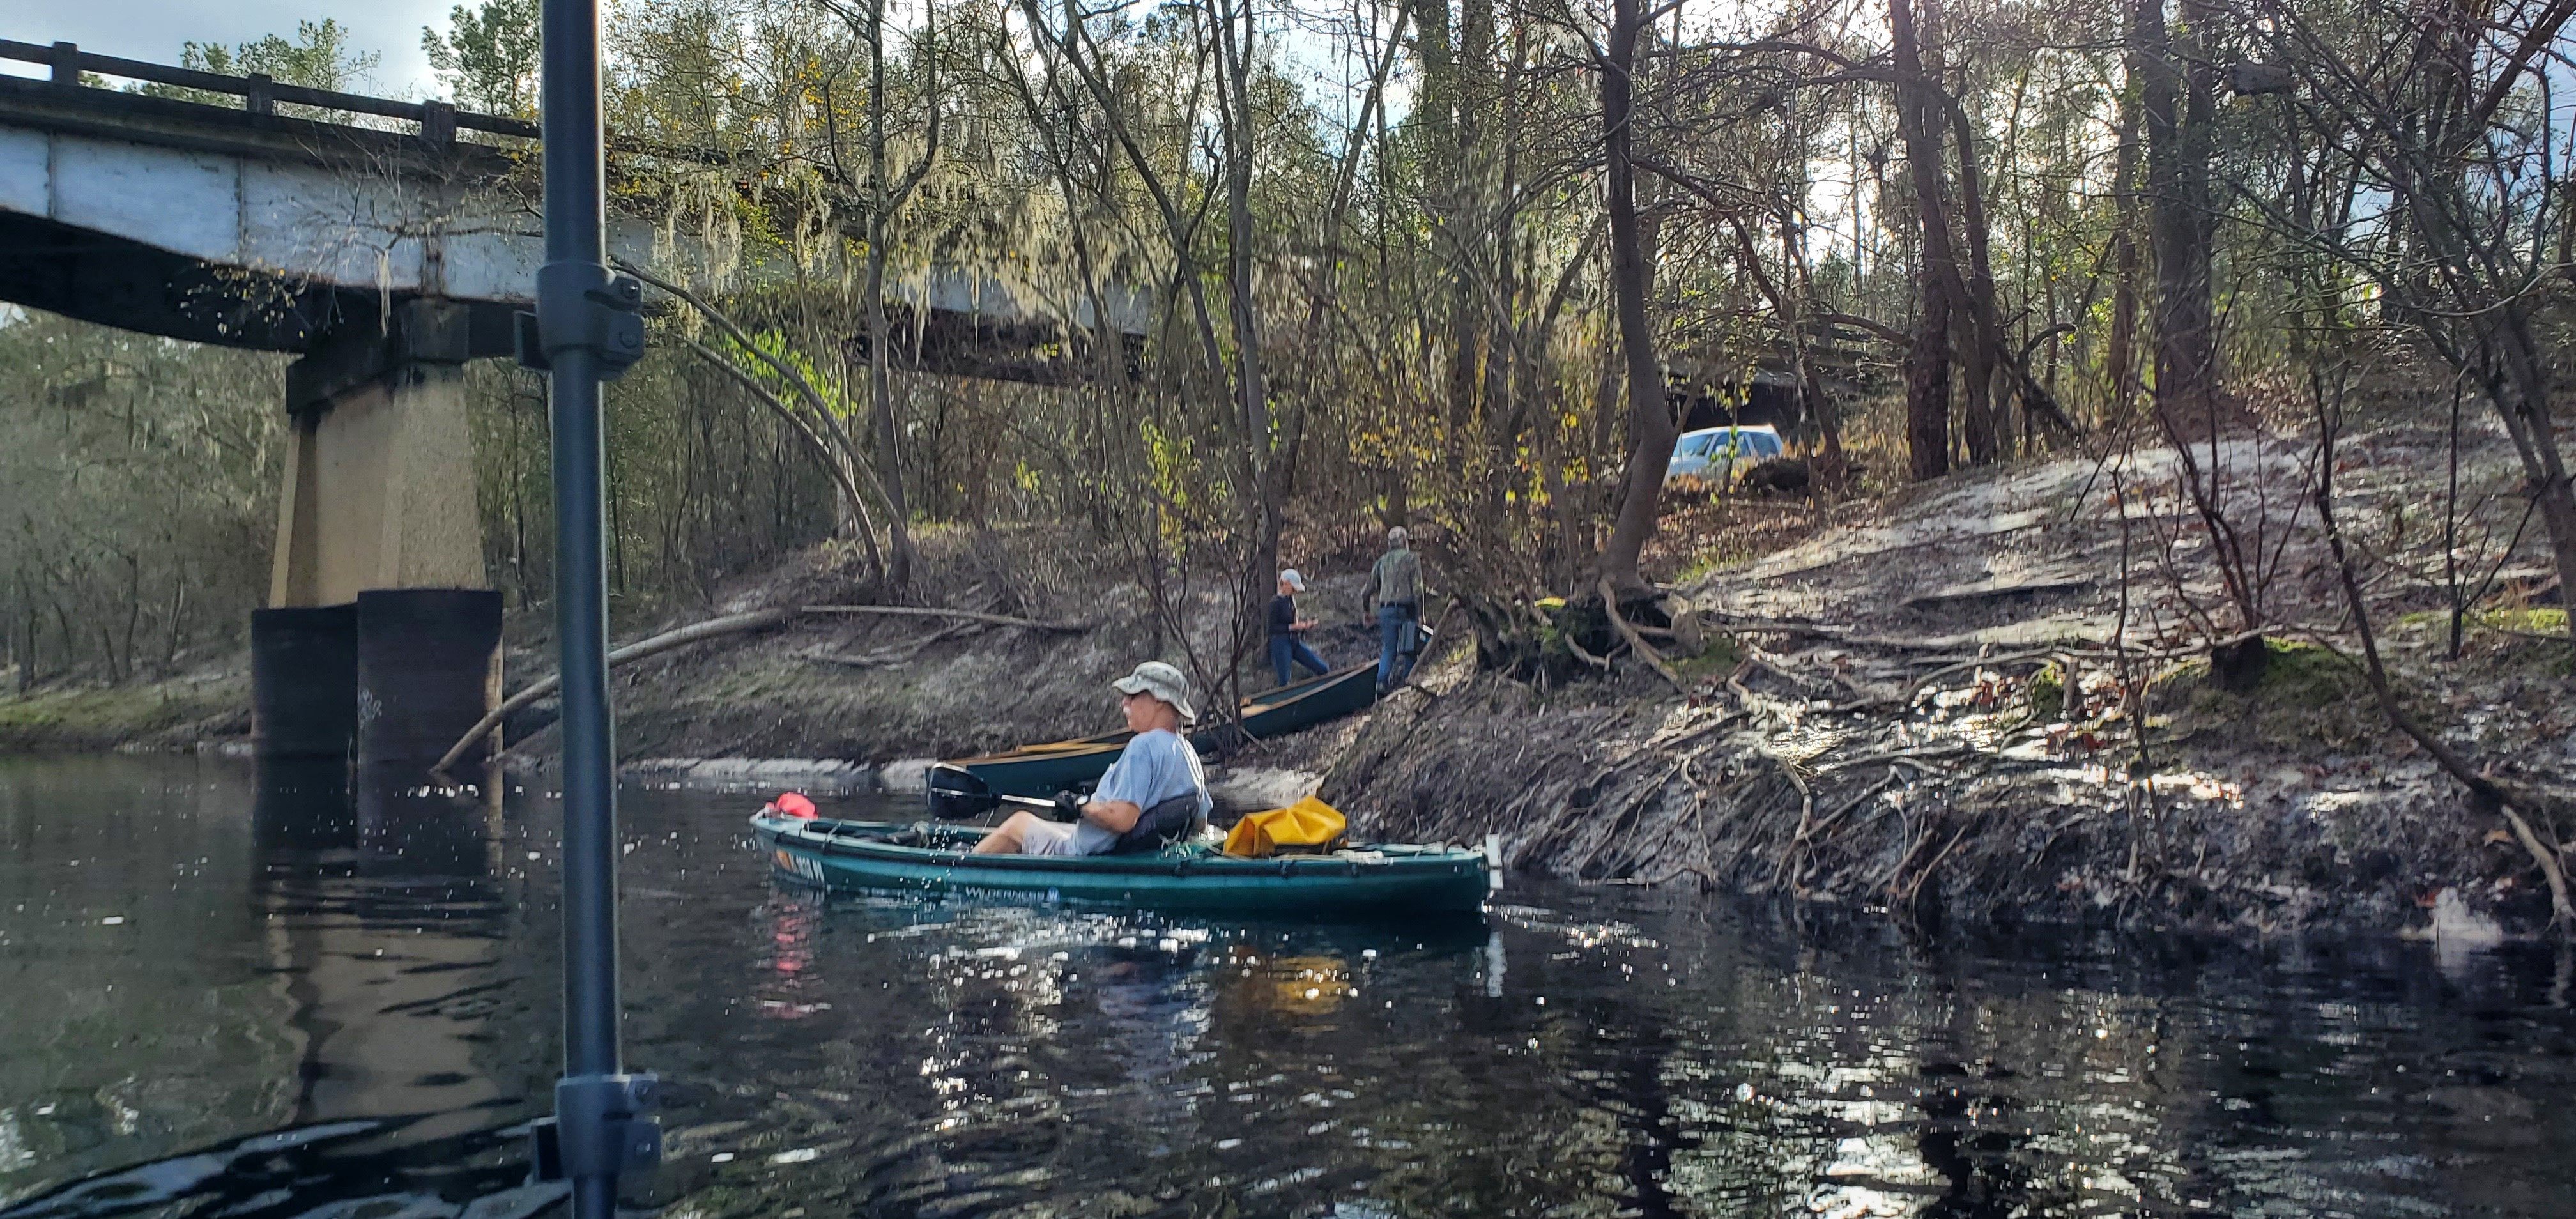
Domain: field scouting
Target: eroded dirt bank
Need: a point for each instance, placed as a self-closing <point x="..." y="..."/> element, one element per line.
<point x="1923" y="711"/>
<point x="877" y="689"/>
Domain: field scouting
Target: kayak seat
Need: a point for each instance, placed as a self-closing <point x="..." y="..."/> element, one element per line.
<point x="1173" y="820"/>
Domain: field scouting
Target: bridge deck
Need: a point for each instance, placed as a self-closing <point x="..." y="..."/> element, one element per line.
<point x="252" y="228"/>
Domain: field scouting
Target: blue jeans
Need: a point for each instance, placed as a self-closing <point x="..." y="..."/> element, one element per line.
<point x="1395" y="643"/>
<point x="1288" y="651"/>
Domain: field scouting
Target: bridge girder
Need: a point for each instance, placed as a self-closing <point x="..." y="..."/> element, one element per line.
<point x="272" y="232"/>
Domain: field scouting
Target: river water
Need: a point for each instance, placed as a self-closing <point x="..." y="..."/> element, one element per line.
<point x="221" y="1001"/>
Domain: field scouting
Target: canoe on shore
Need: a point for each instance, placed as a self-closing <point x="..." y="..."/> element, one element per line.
<point x="1043" y="770"/>
<point x="929" y="858"/>
<point x="964" y="786"/>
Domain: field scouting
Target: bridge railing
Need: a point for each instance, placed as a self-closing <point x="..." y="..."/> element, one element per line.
<point x="439" y="121"/>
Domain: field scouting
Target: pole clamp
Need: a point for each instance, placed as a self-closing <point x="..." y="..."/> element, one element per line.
<point x="580" y="305"/>
<point x="599" y="1127"/>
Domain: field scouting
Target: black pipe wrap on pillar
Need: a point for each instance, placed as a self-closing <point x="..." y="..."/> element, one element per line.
<point x="429" y="667"/>
<point x="304" y="682"/>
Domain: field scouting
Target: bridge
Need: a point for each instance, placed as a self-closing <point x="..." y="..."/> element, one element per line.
<point x="387" y="257"/>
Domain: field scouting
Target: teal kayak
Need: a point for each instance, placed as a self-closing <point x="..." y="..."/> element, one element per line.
<point x="929" y="858"/>
<point x="1044" y="770"/>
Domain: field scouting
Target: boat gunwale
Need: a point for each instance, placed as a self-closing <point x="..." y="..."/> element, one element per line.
<point x="1050" y="751"/>
<point x="1299" y="691"/>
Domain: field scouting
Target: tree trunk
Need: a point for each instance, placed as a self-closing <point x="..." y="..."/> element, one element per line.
<point x="2525" y="412"/>
<point x="2177" y="104"/>
<point x="1833" y="469"/>
<point x="1981" y="364"/>
<point x="2120" y="376"/>
<point x="1650" y="415"/>
<point x="29" y="622"/>
<point x="1266" y="470"/>
<point x="889" y="438"/>
<point x="1927" y="362"/>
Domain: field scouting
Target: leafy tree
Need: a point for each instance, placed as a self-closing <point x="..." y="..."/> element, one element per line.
<point x="320" y="57"/>
<point x="488" y="58"/>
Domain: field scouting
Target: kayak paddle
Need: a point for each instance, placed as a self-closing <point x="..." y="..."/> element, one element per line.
<point x="956" y="793"/>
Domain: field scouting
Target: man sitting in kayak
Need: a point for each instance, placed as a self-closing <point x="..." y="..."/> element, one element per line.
<point x="1153" y="792"/>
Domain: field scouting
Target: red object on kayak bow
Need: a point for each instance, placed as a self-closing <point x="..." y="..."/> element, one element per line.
<point x="794" y="805"/>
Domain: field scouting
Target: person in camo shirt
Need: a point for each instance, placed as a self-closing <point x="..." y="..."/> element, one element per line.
<point x="1395" y="587"/>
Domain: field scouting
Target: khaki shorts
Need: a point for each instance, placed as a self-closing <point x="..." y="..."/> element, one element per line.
<point x="1048" y="838"/>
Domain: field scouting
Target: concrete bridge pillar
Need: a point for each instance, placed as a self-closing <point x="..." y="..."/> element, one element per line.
<point x="381" y="634"/>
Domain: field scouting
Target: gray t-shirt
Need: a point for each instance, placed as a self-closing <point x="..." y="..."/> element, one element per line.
<point x="1154" y="767"/>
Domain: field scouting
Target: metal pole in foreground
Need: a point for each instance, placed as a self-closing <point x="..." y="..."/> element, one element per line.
<point x="587" y="329"/>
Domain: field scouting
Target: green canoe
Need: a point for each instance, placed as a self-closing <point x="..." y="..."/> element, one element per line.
<point x="1043" y="770"/>
<point x="925" y="857"/>
<point x="1030" y="770"/>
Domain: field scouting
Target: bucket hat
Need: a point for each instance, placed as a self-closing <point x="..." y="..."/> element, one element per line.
<point x="1162" y="681"/>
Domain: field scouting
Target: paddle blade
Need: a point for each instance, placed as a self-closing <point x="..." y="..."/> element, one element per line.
<point x="955" y="793"/>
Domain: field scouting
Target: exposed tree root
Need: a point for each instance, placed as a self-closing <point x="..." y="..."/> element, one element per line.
<point x="1636" y="642"/>
<point x="1753" y="787"/>
<point x="715" y="628"/>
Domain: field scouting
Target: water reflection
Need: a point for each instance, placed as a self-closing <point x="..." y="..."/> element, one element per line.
<point x="198" y="953"/>
<point x="1600" y="1056"/>
<point x="1581" y="1052"/>
<point x="380" y="914"/>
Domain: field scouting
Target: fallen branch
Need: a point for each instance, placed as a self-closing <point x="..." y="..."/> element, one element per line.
<point x="888" y="657"/>
<point x="1924" y="754"/>
<point x="928" y="611"/>
<point x="1916" y="690"/>
<point x="1815" y="630"/>
<point x="735" y="624"/>
<point x="870" y="660"/>
<point x="1875" y="329"/>
<point x="1948" y="644"/>
<point x="2548" y="860"/>
<point x="2544" y="638"/>
<point x="658" y="644"/>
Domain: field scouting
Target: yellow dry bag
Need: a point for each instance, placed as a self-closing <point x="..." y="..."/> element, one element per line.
<point x="1308" y="825"/>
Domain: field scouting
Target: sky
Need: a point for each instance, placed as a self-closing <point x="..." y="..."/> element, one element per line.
<point x="153" y="29"/>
